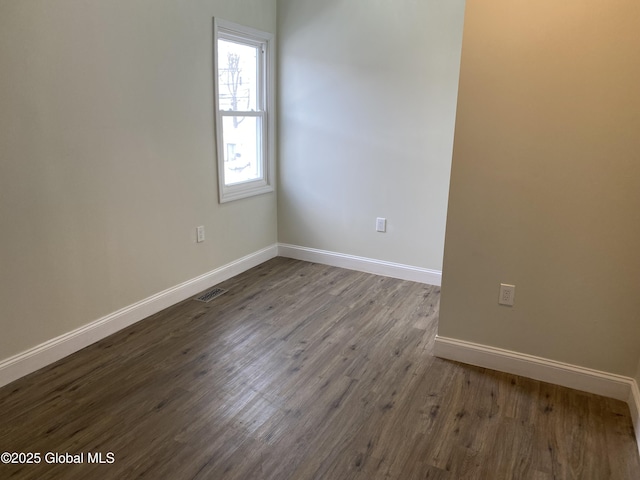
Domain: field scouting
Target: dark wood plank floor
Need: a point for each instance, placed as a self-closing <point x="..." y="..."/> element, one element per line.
<point x="303" y="371"/>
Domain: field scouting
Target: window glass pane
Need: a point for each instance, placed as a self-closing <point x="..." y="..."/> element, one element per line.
<point x="237" y="76"/>
<point x="242" y="158"/>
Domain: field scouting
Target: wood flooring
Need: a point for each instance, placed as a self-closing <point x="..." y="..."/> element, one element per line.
<point x="304" y="371"/>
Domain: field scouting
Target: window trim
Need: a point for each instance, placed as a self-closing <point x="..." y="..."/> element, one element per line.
<point x="250" y="36"/>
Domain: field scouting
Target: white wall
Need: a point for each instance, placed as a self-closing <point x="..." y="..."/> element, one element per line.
<point x="367" y="104"/>
<point x="107" y="159"/>
<point x="544" y="184"/>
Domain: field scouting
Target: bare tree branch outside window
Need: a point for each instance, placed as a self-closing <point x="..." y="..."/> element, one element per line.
<point x="232" y="78"/>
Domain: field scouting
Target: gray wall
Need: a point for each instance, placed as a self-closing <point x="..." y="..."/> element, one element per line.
<point x="107" y="160"/>
<point x="544" y="183"/>
<point x="367" y="106"/>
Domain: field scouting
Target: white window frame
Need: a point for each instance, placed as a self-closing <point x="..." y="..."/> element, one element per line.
<point x="265" y="109"/>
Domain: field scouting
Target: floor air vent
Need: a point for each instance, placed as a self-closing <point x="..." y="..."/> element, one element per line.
<point x="210" y="295"/>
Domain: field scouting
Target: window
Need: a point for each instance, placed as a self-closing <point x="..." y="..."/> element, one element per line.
<point x="243" y="91"/>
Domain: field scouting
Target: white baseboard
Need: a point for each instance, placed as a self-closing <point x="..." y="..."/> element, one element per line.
<point x="634" y="408"/>
<point x="362" y="264"/>
<point x="558" y="373"/>
<point x="53" y="350"/>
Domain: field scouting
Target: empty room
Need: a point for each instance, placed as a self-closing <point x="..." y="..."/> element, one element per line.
<point x="303" y="239"/>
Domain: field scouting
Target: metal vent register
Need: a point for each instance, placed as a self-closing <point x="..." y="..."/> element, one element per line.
<point x="206" y="297"/>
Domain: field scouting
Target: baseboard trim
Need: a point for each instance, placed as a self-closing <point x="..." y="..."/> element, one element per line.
<point x="361" y="264"/>
<point x="57" y="348"/>
<point x="551" y="371"/>
<point x="634" y="408"/>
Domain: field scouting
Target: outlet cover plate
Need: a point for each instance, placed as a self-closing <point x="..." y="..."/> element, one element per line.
<point x="200" y="234"/>
<point x="507" y="294"/>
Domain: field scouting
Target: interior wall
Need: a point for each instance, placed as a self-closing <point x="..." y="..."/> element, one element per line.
<point x="107" y="159"/>
<point x="544" y="184"/>
<point x="367" y="95"/>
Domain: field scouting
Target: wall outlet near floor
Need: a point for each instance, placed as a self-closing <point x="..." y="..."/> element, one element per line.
<point x="381" y="224"/>
<point x="200" y="234"/>
<point x="507" y="294"/>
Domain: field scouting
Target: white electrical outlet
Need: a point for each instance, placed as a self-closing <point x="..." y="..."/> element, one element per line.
<point x="381" y="224"/>
<point x="507" y="294"/>
<point x="200" y="234"/>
